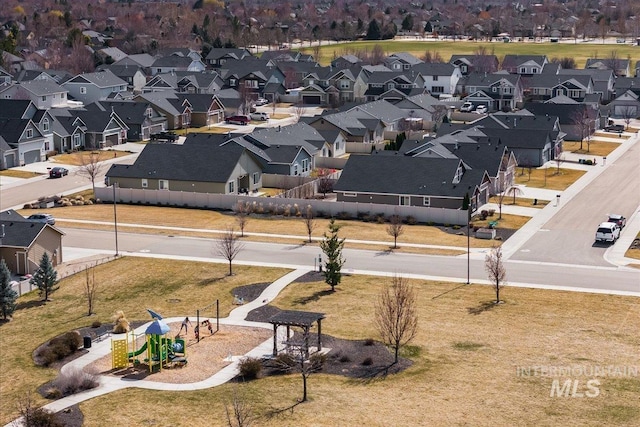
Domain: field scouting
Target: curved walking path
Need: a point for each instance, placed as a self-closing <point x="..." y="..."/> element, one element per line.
<point x="236" y="317"/>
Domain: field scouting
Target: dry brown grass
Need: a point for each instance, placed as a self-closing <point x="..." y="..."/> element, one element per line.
<point x="204" y="129"/>
<point x="601" y="148"/>
<point x="212" y="220"/>
<point x="520" y="201"/>
<point x="78" y="157"/>
<point x="553" y="181"/>
<point x="19" y="173"/>
<point x="464" y="364"/>
<point x="513" y="222"/>
<point x="172" y="288"/>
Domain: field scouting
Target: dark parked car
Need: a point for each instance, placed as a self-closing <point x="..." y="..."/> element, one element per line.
<point x="58" y="172"/>
<point x="164" y="136"/>
<point x="614" y="128"/>
<point x="238" y="120"/>
<point x="48" y="218"/>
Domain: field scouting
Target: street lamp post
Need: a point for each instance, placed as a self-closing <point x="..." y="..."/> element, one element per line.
<point x="115" y="215"/>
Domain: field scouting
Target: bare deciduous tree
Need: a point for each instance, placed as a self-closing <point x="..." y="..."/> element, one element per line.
<point x="299" y="110"/>
<point x="90" y="288"/>
<point x="583" y="121"/>
<point x="628" y="113"/>
<point x="325" y="183"/>
<point x="239" y="411"/>
<point x="90" y="167"/>
<point x="242" y="215"/>
<point x="309" y="221"/>
<point x="396" y="317"/>
<point x="229" y="246"/>
<point x="494" y="266"/>
<point x="514" y="190"/>
<point x="395" y="229"/>
<point x="559" y="159"/>
<point x="438" y="113"/>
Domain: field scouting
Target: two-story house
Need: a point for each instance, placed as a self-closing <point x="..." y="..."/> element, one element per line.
<point x="525" y="65"/>
<point x="498" y="91"/>
<point x="92" y="87"/>
<point x="217" y="57"/>
<point x="43" y="93"/>
<point x="439" y="78"/>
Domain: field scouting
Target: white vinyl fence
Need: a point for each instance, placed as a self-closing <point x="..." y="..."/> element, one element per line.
<point x="279" y="206"/>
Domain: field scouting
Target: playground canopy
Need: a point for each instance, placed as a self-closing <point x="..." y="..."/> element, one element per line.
<point x="158" y="327"/>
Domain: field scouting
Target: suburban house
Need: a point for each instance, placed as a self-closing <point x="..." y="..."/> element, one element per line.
<point x="24" y="241"/>
<point x="475" y="63"/>
<point x="5" y="78"/>
<point x="68" y="134"/>
<point x="345" y="61"/>
<point x="498" y="91"/>
<point x="401" y="61"/>
<point x="25" y="136"/>
<point x="134" y="75"/>
<point x="285" y="160"/>
<point x="391" y="116"/>
<point x="546" y="86"/>
<point x="43" y="93"/>
<point x="199" y="83"/>
<point x="217" y="56"/>
<point x="525" y="65"/>
<point x="8" y="155"/>
<point x="199" y="165"/>
<point x="103" y="128"/>
<point x="92" y="87"/>
<point x="439" y="78"/>
<point x="174" y="63"/>
<point x="391" y="85"/>
<point x="177" y="111"/>
<point x="530" y="147"/>
<point x="141" y="118"/>
<point x="604" y="81"/>
<point x="363" y="130"/>
<point x="206" y="110"/>
<point x="577" y="121"/>
<point x="620" y="67"/>
<point x="417" y="181"/>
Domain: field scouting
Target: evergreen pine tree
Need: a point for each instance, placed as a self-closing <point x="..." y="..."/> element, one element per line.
<point x="374" y="32"/>
<point x="45" y="278"/>
<point x="8" y="296"/>
<point x="332" y="247"/>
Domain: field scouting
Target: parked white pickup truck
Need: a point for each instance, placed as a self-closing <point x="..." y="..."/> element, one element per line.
<point x="608" y="232"/>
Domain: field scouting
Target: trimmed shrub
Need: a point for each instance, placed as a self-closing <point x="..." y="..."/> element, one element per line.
<point x="284" y="362"/>
<point x="367" y="362"/>
<point x="344" y="358"/>
<point x="430" y="223"/>
<point x="456" y="227"/>
<point x="344" y="215"/>
<point x="380" y="218"/>
<point x="491" y="212"/>
<point x="250" y="368"/>
<point x="369" y="342"/>
<point x="317" y="361"/>
<point x="40" y="417"/>
<point x="411" y="220"/>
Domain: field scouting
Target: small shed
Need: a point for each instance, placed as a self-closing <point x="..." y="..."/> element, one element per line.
<point x="301" y="319"/>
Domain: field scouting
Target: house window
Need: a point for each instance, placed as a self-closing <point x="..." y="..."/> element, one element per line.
<point x="76" y="140"/>
<point x="295" y="169"/>
<point x="574" y="93"/>
<point x="426" y="201"/>
<point x="534" y="71"/>
<point x="29" y="133"/>
<point x="256" y="177"/>
<point x="46" y="146"/>
<point x="405" y="200"/>
<point x="344" y="84"/>
<point x="63" y="95"/>
<point x="523" y="70"/>
<point x="232" y="82"/>
<point x="232" y="187"/>
<point x="350" y="194"/>
<point x="494" y="89"/>
<point x="311" y="81"/>
<point x="44" y="98"/>
<point x="163" y="184"/>
<point x="397" y="66"/>
<point x="83" y="90"/>
<point x="45" y="125"/>
<point x="149" y="112"/>
<point x="145" y="183"/>
<point x="437" y="89"/>
<point x="435" y="78"/>
<point x="305" y="165"/>
<point x="251" y="84"/>
<point x="392" y="85"/>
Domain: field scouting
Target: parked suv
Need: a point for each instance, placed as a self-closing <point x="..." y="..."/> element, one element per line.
<point x="618" y="219"/>
<point x="607" y="232"/>
<point x="467" y="107"/>
<point x="259" y="116"/>
<point x="237" y="120"/>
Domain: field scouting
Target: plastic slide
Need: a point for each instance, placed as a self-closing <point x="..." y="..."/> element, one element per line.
<point x="139" y="351"/>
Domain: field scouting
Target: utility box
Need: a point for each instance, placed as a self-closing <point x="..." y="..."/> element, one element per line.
<point x="87" y="342"/>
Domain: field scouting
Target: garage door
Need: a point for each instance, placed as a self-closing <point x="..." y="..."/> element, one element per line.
<point x="31" y="157"/>
<point x="312" y="99"/>
<point x="10" y="161"/>
<point x="112" y="140"/>
<point x="626" y="111"/>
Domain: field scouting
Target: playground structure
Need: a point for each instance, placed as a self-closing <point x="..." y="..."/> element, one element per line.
<point x="159" y="350"/>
